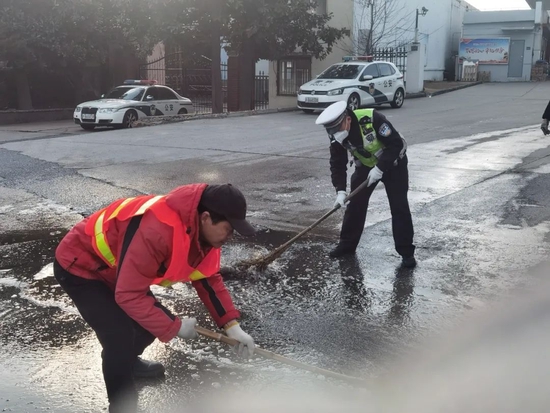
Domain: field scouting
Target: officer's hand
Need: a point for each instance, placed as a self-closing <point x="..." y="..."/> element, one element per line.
<point x="544" y="126"/>
<point x="375" y="175"/>
<point x="187" y="329"/>
<point x="340" y="198"/>
<point x="246" y="346"/>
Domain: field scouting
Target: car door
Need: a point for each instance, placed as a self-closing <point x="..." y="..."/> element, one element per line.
<point x="168" y="101"/>
<point x="372" y="89"/>
<point x="387" y="80"/>
<point x="151" y="102"/>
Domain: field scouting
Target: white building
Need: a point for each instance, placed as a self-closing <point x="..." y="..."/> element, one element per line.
<point x="439" y="30"/>
<point x="506" y="44"/>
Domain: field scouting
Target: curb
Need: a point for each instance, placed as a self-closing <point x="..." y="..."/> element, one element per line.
<point x="162" y="120"/>
<point x="440" y="92"/>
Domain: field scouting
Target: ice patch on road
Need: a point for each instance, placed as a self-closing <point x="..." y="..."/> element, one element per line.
<point x="46" y="206"/>
<point x="45" y="272"/>
<point x="12" y="282"/>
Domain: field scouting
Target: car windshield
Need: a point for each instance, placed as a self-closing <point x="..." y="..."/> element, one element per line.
<point x="341" y="72"/>
<point x="125" y="93"/>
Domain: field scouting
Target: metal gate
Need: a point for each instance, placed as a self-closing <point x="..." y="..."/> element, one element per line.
<point x="395" y="55"/>
<point x="193" y="80"/>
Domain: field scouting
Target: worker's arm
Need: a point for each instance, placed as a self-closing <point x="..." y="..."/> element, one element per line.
<point x="390" y="138"/>
<point x="338" y="166"/>
<point x="216" y="298"/>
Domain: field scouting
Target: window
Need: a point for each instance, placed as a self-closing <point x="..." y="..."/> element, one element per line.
<point x="293" y="72"/>
<point x="371" y="70"/>
<point x="385" y="69"/>
<point x="126" y="93"/>
<point x="152" y="91"/>
<point x="340" y="71"/>
<point x="166" y="94"/>
<point x="321" y="6"/>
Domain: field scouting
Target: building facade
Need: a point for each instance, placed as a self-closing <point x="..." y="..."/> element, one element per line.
<point x="505" y="44"/>
<point x="438" y="30"/>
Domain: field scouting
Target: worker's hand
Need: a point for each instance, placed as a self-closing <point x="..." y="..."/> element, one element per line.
<point x="544" y="126"/>
<point x="340" y="198"/>
<point x="187" y="329"/>
<point x="246" y="346"/>
<point x="375" y="175"/>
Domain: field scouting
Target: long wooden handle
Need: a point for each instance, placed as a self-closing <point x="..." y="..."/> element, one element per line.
<point x="277" y="357"/>
<point x="320" y="220"/>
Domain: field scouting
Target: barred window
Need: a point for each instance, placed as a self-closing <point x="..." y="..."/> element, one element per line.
<point x="293" y="72"/>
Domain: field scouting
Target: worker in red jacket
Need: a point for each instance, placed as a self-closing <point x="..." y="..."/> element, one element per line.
<point x="108" y="262"/>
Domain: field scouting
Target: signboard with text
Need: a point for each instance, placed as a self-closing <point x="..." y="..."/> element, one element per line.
<point x="485" y="51"/>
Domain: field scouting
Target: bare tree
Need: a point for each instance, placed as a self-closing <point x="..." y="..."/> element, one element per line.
<point x="381" y="23"/>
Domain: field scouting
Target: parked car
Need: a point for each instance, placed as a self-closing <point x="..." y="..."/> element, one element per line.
<point x="357" y="80"/>
<point x="133" y="100"/>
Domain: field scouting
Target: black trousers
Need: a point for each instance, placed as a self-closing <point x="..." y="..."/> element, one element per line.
<point x="396" y="181"/>
<point x="121" y="338"/>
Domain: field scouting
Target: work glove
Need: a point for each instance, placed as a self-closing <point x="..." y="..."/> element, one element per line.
<point x="544" y="126"/>
<point x="187" y="329"/>
<point x="245" y="348"/>
<point x="375" y="175"/>
<point x="340" y="198"/>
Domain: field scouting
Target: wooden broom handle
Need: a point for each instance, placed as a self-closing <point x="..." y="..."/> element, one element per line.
<point x="273" y="356"/>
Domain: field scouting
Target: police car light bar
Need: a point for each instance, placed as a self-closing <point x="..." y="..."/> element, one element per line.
<point x="357" y="58"/>
<point x="140" y="82"/>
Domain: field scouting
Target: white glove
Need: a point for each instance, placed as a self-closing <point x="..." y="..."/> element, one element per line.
<point x="187" y="329"/>
<point x="544" y="126"/>
<point x="340" y="198"/>
<point x="375" y="175"/>
<point x="246" y="346"/>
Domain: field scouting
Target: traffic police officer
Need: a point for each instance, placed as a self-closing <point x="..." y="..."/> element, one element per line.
<point x="545" y="120"/>
<point x="379" y="153"/>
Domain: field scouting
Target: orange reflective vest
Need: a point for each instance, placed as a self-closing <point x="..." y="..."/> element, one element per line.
<point x="179" y="269"/>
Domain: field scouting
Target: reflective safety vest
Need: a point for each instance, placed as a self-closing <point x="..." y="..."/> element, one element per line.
<point x="372" y="148"/>
<point x="125" y="209"/>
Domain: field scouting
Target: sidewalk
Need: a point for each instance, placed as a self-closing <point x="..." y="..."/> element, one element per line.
<point x="438" y="88"/>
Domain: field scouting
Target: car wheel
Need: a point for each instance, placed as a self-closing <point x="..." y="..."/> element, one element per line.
<point x="398" y="99"/>
<point x="87" y="127"/>
<point x="354" y="101"/>
<point x="182" y="111"/>
<point x="129" y="118"/>
<point x="308" y="111"/>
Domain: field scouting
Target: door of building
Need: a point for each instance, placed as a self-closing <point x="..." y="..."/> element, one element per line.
<point x="515" y="62"/>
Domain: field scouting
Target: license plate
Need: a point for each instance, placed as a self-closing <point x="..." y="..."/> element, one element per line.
<point x="312" y="100"/>
<point x="89" y="116"/>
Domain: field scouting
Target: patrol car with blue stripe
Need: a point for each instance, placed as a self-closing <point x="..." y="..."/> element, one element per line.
<point x="359" y="81"/>
<point x="133" y="100"/>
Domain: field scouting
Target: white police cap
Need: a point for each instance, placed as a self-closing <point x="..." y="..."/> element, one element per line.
<point x="333" y="115"/>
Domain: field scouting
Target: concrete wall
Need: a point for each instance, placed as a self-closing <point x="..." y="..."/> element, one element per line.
<point x="343" y="17"/>
<point x="10" y="117"/>
<point x="517" y="25"/>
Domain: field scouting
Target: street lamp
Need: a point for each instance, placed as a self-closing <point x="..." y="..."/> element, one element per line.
<point x="419" y="13"/>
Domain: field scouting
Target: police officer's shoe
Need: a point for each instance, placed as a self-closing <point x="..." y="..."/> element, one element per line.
<point x="341" y="250"/>
<point x="408" y="262"/>
<point x="145" y="369"/>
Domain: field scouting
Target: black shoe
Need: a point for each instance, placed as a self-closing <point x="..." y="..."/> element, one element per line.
<point x="341" y="250"/>
<point x="145" y="369"/>
<point x="408" y="262"/>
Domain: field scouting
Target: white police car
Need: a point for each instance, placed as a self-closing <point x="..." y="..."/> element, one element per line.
<point x="127" y="103"/>
<point x="359" y="81"/>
